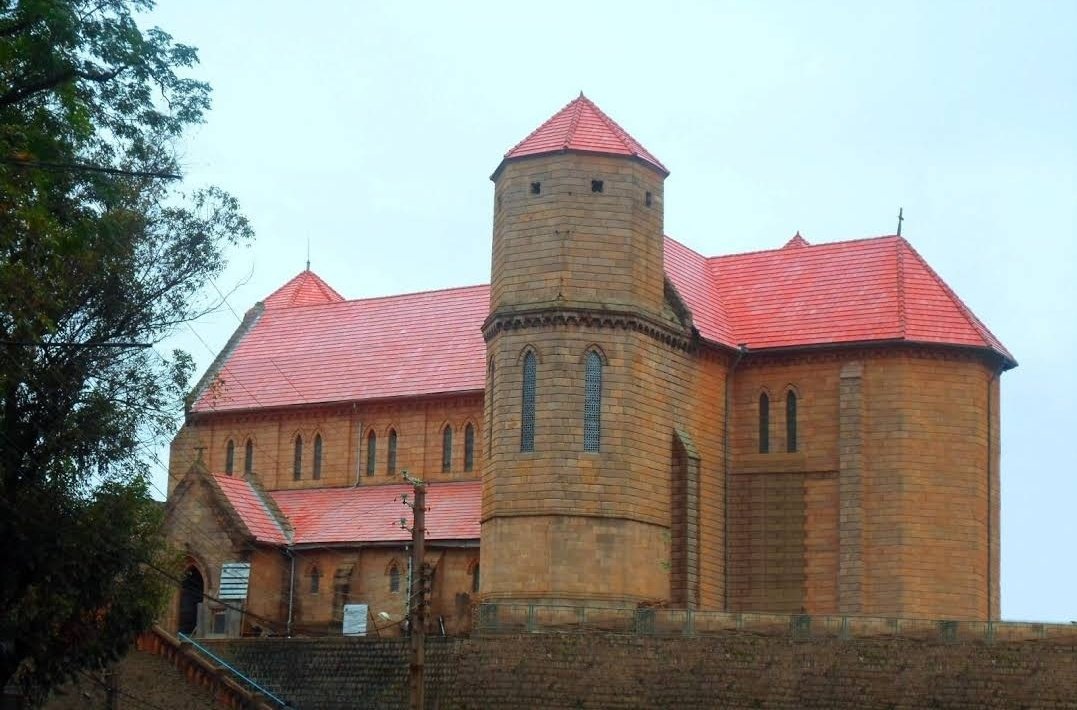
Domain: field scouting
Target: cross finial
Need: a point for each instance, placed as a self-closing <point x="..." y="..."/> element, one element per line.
<point x="308" y="253"/>
<point x="901" y="219"/>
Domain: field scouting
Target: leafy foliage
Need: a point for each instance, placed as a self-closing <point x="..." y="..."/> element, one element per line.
<point x="99" y="252"/>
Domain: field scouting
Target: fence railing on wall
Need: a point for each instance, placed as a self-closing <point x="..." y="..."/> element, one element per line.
<point x="494" y="618"/>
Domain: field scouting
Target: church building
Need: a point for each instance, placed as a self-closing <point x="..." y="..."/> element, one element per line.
<point x="615" y="420"/>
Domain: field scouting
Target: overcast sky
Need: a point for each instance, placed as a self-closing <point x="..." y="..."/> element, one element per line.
<point x="371" y="129"/>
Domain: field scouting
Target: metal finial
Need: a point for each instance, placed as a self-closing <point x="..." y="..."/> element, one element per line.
<point x="901" y="218"/>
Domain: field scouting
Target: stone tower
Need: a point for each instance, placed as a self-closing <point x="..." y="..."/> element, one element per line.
<point x="576" y="494"/>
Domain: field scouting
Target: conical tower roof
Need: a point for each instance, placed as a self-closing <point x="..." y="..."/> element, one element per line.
<point x="581" y="126"/>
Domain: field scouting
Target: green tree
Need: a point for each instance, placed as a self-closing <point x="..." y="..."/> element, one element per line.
<point x="99" y="252"/>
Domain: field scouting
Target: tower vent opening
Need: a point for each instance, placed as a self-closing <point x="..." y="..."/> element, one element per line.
<point x="596" y="186"/>
<point x="536" y="188"/>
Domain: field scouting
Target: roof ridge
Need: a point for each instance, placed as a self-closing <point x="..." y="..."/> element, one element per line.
<point x="817" y="245"/>
<point x="388" y="296"/>
<point x="545" y="123"/>
<point x="990" y="340"/>
<point x="275" y="513"/>
<point x="900" y="273"/>
<point x="575" y="122"/>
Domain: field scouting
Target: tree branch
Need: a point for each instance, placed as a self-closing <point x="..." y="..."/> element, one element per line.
<point x="51" y="82"/>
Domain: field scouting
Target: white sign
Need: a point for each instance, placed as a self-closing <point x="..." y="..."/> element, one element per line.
<point x="355" y="616"/>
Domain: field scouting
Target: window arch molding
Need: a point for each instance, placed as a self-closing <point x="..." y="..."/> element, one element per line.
<point x="529" y="348"/>
<point x="597" y="349"/>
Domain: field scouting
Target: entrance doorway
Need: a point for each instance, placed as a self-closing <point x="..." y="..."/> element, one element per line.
<point x="190" y="598"/>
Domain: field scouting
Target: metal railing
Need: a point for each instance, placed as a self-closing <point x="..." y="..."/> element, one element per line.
<point x="494" y="618"/>
<point x="234" y="671"/>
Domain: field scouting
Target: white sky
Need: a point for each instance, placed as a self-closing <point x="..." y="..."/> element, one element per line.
<point x="371" y="129"/>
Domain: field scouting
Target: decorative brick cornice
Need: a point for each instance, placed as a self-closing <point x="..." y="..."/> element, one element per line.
<point x="584" y="317"/>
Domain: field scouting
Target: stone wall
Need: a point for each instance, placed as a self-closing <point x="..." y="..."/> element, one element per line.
<point x="734" y="669"/>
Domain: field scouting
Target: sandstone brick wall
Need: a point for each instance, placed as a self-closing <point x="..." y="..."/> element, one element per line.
<point x="889" y="506"/>
<point x="570" y="244"/>
<point x="419" y="425"/>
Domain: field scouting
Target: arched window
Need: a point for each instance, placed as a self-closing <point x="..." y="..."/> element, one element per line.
<point x="475" y="578"/>
<point x="315" y="580"/>
<point x="592" y="403"/>
<point x="390" y="460"/>
<point x="230" y="457"/>
<point x="371" y="452"/>
<point x="446" y="449"/>
<point x="764" y="423"/>
<point x="316" y="471"/>
<point x="527" y="404"/>
<point x="394" y="578"/>
<point x="469" y="447"/>
<point x="248" y="458"/>
<point x="297" y="461"/>
<point x="790" y="421"/>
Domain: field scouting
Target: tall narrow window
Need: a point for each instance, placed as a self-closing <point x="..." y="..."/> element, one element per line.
<point x="248" y="458"/>
<point x="790" y="421"/>
<point x="592" y="403"/>
<point x="390" y="460"/>
<point x="527" y="405"/>
<point x="469" y="447"/>
<point x="475" y="578"/>
<point x="371" y="452"/>
<point x="297" y="462"/>
<point x="764" y="423"/>
<point x="230" y="457"/>
<point x="394" y="578"/>
<point x="446" y="449"/>
<point x="316" y="471"/>
<point x="315" y="580"/>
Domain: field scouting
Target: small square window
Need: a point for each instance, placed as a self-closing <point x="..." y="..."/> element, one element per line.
<point x="536" y="188"/>
<point x="596" y="186"/>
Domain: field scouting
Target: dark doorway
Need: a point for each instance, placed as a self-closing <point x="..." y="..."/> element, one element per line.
<point x="190" y="598"/>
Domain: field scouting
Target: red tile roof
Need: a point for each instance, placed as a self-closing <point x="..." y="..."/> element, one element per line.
<point x="373" y="513"/>
<point x="360" y="514"/>
<point x="248" y="504"/>
<point x="844" y="292"/>
<point x="306" y="289"/>
<point x="582" y="126"/>
<point x="860" y="291"/>
<point x="397" y="346"/>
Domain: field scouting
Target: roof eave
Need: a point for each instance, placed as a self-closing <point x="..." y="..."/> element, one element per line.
<point x="660" y="169"/>
<point x="1005" y="361"/>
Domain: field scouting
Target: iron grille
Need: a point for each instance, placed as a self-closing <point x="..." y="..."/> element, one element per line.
<point x="592" y="403"/>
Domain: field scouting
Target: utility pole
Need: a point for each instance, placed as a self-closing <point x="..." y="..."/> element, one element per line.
<point x="417" y="618"/>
